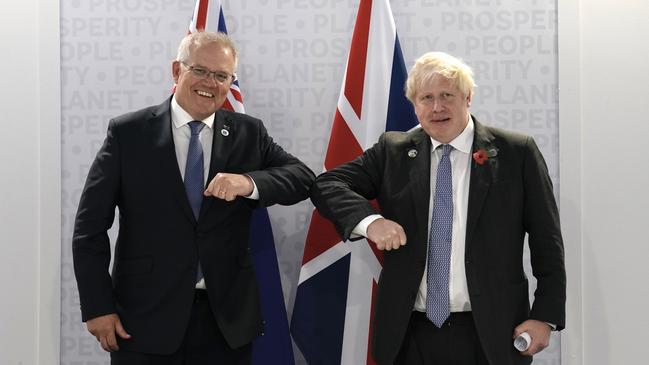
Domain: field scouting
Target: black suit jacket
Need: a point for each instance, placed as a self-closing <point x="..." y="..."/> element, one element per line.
<point x="160" y="242"/>
<point x="509" y="195"/>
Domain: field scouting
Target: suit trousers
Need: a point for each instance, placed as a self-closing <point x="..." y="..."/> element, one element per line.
<point x="203" y="343"/>
<point x="456" y="342"/>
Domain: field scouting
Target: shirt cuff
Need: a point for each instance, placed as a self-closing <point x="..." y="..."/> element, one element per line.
<point x="361" y="227"/>
<point x="255" y="192"/>
<point x="552" y="326"/>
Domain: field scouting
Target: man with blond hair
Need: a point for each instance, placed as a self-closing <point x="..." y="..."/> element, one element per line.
<point x="185" y="176"/>
<point x="456" y="200"/>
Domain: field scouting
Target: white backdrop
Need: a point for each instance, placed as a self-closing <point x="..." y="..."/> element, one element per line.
<point x="116" y="56"/>
<point x="603" y="78"/>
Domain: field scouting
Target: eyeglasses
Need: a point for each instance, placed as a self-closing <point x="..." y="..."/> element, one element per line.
<point x="220" y="76"/>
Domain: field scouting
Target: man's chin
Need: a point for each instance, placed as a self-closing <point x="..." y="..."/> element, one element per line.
<point x="208" y="108"/>
<point x="437" y="134"/>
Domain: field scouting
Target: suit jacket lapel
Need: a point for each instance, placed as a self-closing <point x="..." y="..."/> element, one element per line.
<point x="481" y="177"/>
<point x="160" y="129"/>
<point x="420" y="178"/>
<point x="222" y="139"/>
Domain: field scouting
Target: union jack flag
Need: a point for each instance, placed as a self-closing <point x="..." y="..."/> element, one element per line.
<point x="275" y="346"/>
<point x="332" y="316"/>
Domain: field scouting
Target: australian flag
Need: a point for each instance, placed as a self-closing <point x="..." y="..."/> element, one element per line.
<point x="275" y="346"/>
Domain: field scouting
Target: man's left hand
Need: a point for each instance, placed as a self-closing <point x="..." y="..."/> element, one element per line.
<point x="539" y="332"/>
<point x="229" y="186"/>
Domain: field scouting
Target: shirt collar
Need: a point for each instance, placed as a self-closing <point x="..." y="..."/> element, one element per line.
<point x="462" y="142"/>
<point x="180" y="117"/>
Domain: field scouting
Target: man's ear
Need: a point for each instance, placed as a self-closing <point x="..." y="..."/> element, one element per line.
<point x="175" y="70"/>
<point x="468" y="99"/>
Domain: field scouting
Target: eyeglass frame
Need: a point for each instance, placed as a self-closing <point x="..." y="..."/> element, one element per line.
<point x="203" y="73"/>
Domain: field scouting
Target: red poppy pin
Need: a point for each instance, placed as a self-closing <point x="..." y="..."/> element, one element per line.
<point x="481" y="156"/>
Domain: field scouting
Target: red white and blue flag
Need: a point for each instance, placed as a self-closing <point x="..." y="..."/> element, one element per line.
<point x="201" y="20"/>
<point x="275" y="346"/>
<point x="332" y="316"/>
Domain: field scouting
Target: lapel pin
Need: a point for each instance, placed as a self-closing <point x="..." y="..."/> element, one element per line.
<point x="481" y="156"/>
<point x="412" y="153"/>
<point x="226" y="130"/>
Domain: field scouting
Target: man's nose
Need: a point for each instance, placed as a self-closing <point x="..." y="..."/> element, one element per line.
<point x="437" y="106"/>
<point x="211" y="80"/>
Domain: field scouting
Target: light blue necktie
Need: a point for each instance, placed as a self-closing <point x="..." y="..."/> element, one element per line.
<point x="439" y="245"/>
<point x="194" y="175"/>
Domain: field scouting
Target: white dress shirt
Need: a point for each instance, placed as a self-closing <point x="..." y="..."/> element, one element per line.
<point x="181" y="133"/>
<point x="461" y="174"/>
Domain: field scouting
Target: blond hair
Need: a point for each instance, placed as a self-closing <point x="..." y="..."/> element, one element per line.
<point x="431" y="64"/>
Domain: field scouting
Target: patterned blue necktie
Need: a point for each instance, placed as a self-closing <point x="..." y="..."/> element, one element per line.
<point x="439" y="245"/>
<point x="194" y="175"/>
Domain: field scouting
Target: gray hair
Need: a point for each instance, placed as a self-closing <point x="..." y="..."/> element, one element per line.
<point x="198" y="39"/>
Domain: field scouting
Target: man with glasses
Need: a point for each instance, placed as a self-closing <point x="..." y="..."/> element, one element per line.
<point x="185" y="176"/>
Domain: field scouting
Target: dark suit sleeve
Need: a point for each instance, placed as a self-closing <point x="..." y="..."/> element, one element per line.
<point x="90" y="243"/>
<point x="342" y="194"/>
<point x="283" y="179"/>
<point x="541" y="220"/>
